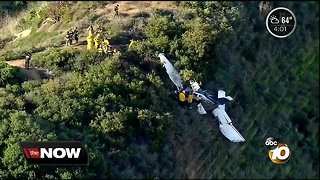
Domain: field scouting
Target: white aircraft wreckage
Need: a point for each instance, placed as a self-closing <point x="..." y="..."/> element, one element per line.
<point x="204" y="96"/>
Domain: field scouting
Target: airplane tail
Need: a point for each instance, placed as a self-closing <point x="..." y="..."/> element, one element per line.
<point x="223" y="100"/>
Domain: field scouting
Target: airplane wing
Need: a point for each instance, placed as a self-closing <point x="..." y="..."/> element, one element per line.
<point x="226" y="127"/>
<point x="172" y="72"/>
<point x="231" y="133"/>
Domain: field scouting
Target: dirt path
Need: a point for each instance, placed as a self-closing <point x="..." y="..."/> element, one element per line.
<point x="35" y="73"/>
<point x="16" y="63"/>
<point x="32" y="74"/>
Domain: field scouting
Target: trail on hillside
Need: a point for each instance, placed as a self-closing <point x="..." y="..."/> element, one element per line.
<point x="127" y="8"/>
<point x="32" y="73"/>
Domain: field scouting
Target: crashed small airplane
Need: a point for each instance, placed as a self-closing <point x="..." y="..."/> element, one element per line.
<point x="225" y="123"/>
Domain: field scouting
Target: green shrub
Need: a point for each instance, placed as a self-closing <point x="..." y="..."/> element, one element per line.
<point x="158" y="27"/>
<point x="55" y="59"/>
<point x="162" y="32"/>
<point x="136" y="28"/>
<point x="113" y="28"/>
<point x="33" y="19"/>
<point x="18" y="53"/>
<point x="10" y="75"/>
<point x="68" y="59"/>
<point x="85" y="59"/>
<point x="141" y="15"/>
<point x="67" y="15"/>
<point x="163" y="12"/>
<point x="122" y="37"/>
<point x="10" y="55"/>
<point x="198" y="40"/>
<point x="6" y="73"/>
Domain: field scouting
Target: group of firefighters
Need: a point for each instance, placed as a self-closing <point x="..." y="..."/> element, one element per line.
<point x="71" y="35"/>
<point x="186" y="98"/>
<point x="99" y="41"/>
<point x="95" y="40"/>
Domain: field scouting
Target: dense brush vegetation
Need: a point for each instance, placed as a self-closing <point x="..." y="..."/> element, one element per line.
<point x="120" y="107"/>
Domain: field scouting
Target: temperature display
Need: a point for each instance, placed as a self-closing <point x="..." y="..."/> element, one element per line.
<point x="281" y="22"/>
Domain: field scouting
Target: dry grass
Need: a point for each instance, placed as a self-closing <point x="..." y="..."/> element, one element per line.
<point x="9" y="24"/>
<point x="23" y="34"/>
<point x="126" y="9"/>
<point x="129" y="8"/>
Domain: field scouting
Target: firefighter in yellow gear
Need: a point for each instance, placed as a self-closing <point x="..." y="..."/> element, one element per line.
<point x="105" y="45"/>
<point x="98" y="41"/>
<point x="190" y="99"/>
<point x="90" y="41"/>
<point x="131" y="43"/>
<point x="182" y="97"/>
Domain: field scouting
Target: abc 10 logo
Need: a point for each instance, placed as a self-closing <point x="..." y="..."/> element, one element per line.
<point x="279" y="153"/>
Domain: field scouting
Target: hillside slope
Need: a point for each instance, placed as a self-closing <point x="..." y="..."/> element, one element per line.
<point x="120" y="105"/>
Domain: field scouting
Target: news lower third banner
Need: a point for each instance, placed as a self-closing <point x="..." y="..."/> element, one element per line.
<point x="55" y="152"/>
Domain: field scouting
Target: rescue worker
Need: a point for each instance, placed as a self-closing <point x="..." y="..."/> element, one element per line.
<point x="190" y="98"/>
<point x="106" y="45"/>
<point x="76" y="35"/>
<point x="27" y="61"/>
<point x="100" y="28"/>
<point x="116" y="10"/>
<point x="90" y="40"/>
<point x="98" y="42"/>
<point x="182" y="98"/>
<point x="69" y="37"/>
<point x="90" y="29"/>
<point x="131" y="43"/>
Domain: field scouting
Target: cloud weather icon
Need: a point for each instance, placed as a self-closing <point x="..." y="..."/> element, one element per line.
<point x="274" y="19"/>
